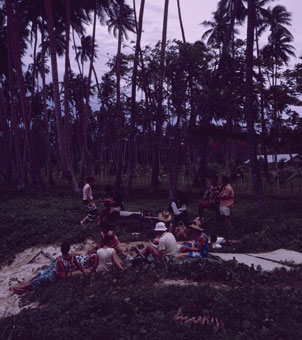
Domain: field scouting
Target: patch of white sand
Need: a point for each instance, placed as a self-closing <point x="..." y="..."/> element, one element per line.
<point x="21" y="270"/>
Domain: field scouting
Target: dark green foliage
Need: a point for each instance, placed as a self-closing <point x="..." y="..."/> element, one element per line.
<point x="126" y="304"/>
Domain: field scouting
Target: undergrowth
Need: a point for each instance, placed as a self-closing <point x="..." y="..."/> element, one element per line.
<point x="125" y="304"/>
<point x="37" y="218"/>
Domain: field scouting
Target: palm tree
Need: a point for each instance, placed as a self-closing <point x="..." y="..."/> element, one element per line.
<point x="6" y="139"/>
<point x="216" y="32"/>
<point x="180" y="22"/>
<point x="59" y="124"/>
<point x="249" y="112"/>
<point x="160" y="111"/>
<point x="278" y="47"/>
<point x="260" y="27"/>
<point x="14" y="41"/>
<point x="278" y="50"/>
<point x="121" y="20"/>
<point x="43" y="71"/>
<point x="139" y="30"/>
<point x="230" y="10"/>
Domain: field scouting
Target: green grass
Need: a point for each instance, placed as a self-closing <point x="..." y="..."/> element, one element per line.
<point x="126" y="305"/>
<point x="37" y="218"/>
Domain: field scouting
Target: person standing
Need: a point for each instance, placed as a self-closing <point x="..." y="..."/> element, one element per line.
<point x="210" y="198"/>
<point x="91" y="210"/>
<point x="226" y="200"/>
<point x="87" y="191"/>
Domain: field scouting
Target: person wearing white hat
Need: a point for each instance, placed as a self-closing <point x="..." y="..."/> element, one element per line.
<point x="167" y="245"/>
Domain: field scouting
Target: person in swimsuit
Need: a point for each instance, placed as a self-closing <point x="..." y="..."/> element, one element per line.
<point x="59" y="268"/>
<point x="199" y="248"/>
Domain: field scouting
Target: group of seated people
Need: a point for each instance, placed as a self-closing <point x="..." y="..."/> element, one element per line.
<point x="217" y="197"/>
<point x="105" y="255"/>
<point x="173" y="224"/>
<point x="96" y="257"/>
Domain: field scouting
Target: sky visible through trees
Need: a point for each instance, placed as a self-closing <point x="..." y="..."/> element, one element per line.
<point x="67" y="103"/>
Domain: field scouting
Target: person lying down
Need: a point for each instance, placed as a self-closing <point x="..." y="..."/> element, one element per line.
<point x="60" y="268"/>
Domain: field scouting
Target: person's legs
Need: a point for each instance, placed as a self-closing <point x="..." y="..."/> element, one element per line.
<point x="103" y="215"/>
<point x="129" y="213"/>
<point x="182" y="255"/>
<point x="84" y="220"/>
<point x="149" y="249"/>
<point x="217" y="212"/>
<point x="226" y="218"/>
<point x="201" y="206"/>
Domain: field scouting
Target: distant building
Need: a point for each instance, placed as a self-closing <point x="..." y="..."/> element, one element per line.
<point x="283" y="157"/>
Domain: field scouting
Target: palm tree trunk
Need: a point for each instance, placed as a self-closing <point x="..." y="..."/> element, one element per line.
<point x="180" y="22"/>
<point x="160" y="113"/>
<point x="46" y="121"/>
<point x="15" y="131"/>
<point x="14" y="41"/>
<point x="6" y="139"/>
<point x="250" y="116"/>
<point x="118" y="179"/>
<point x="131" y="164"/>
<point x="59" y="124"/>
<point x="67" y="119"/>
<point x="85" y="155"/>
<point x="263" y="125"/>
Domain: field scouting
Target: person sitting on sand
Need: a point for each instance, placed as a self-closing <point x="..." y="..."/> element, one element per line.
<point x="107" y="256"/>
<point x="113" y="204"/>
<point x="199" y="248"/>
<point x="178" y="209"/>
<point x="59" y="268"/>
<point x="114" y="207"/>
<point x="106" y="229"/>
<point x="87" y="258"/>
<point x="167" y="245"/>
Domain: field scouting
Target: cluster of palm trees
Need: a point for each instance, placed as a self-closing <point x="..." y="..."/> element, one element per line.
<point x="164" y="106"/>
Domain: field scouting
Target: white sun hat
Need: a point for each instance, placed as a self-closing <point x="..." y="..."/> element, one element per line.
<point x="160" y="226"/>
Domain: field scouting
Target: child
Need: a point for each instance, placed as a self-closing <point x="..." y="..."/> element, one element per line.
<point x="107" y="230"/>
<point x="91" y="213"/>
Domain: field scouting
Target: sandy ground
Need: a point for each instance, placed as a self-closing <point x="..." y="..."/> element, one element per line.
<point x="21" y="270"/>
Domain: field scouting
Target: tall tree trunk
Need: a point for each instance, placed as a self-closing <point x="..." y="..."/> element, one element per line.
<point x="46" y="120"/>
<point x="14" y="127"/>
<point x="7" y="159"/>
<point x="250" y="115"/>
<point x="85" y="154"/>
<point x="118" y="179"/>
<point x="131" y="164"/>
<point x="59" y="124"/>
<point x="262" y="114"/>
<point x="14" y="41"/>
<point x="228" y="38"/>
<point x="180" y="22"/>
<point x="67" y="118"/>
<point x="160" y="113"/>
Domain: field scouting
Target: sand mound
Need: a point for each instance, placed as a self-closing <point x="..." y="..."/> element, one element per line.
<point x="22" y="269"/>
